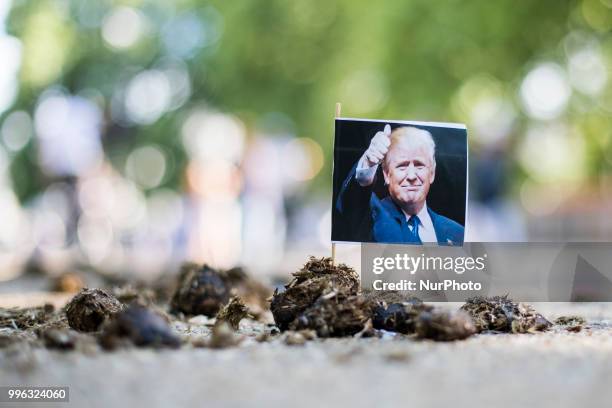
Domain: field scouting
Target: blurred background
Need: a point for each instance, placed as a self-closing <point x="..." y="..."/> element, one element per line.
<point x="135" y="134"/>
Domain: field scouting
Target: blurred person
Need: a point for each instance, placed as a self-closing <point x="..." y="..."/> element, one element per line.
<point x="408" y="162"/>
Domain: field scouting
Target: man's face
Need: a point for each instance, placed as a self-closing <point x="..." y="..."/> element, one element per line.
<point x="409" y="173"/>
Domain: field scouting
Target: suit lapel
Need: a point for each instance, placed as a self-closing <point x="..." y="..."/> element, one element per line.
<point x="440" y="229"/>
<point x="390" y="223"/>
<point x="402" y="233"/>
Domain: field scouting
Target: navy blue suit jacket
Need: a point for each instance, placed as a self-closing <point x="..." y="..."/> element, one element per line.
<point x="371" y="219"/>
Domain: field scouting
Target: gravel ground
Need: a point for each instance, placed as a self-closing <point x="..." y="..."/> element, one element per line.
<point x="556" y="369"/>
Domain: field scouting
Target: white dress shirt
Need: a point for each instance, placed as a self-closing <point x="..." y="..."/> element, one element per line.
<point x="364" y="174"/>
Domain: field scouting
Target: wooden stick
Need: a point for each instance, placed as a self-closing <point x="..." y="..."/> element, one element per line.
<point x="333" y="248"/>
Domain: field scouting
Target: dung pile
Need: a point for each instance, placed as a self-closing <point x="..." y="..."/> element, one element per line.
<point x="443" y="325"/>
<point x="414" y="317"/>
<point x="326" y="299"/>
<point x="201" y="290"/>
<point x="24" y="319"/>
<point x="233" y="312"/>
<point x="128" y="294"/>
<point x="335" y="314"/>
<point x="138" y="326"/>
<point x="387" y="296"/>
<point x="316" y="279"/>
<point x="571" y="323"/>
<point x="398" y="317"/>
<point x="253" y="293"/>
<point x="90" y="308"/>
<point x="499" y="313"/>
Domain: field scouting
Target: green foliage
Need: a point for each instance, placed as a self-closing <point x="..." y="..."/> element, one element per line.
<point x="392" y="59"/>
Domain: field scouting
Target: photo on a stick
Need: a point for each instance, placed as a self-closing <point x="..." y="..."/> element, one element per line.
<point x="399" y="182"/>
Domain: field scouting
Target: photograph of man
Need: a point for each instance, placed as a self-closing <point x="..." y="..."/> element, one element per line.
<point x="407" y="156"/>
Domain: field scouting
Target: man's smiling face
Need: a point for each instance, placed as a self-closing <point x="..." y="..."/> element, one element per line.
<point x="409" y="171"/>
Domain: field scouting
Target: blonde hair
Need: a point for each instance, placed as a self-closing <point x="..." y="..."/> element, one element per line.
<point x="414" y="134"/>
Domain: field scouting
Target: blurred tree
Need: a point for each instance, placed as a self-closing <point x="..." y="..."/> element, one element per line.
<point x="396" y="59"/>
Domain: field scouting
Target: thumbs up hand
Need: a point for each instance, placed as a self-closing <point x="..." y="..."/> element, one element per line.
<point x="379" y="146"/>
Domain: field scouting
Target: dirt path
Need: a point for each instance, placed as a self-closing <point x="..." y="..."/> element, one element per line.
<point x="556" y="369"/>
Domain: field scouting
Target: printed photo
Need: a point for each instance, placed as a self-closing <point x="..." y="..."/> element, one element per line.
<point x="399" y="182"/>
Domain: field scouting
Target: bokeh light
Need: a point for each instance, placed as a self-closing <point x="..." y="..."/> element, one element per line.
<point x="302" y="159"/>
<point x="68" y="131"/>
<point x="553" y="153"/>
<point x="146" y="166"/>
<point x="16" y="130"/>
<point x="483" y="102"/>
<point x="212" y="135"/>
<point x="587" y="71"/>
<point x="123" y="27"/>
<point x="10" y="49"/>
<point x="147" y="97"/>
<point x="545" y="91"/>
